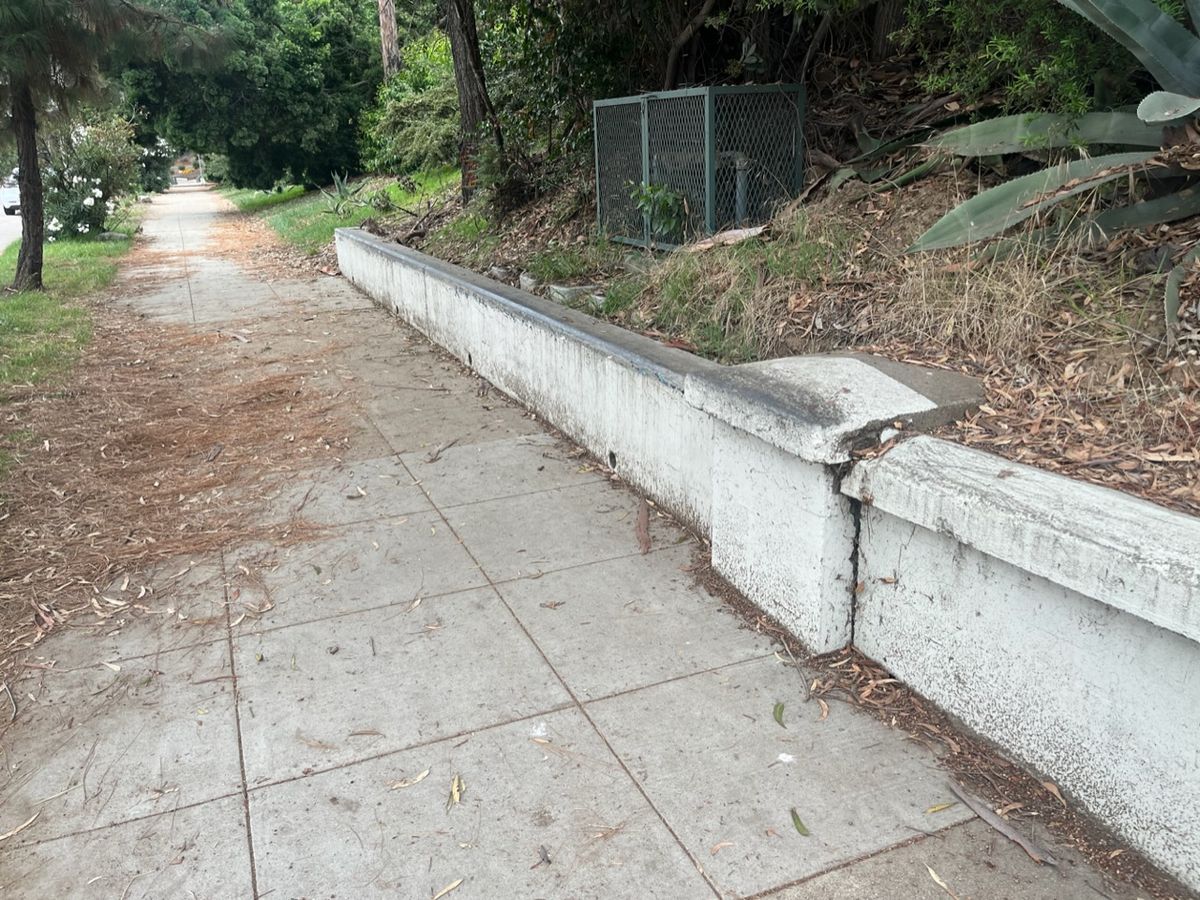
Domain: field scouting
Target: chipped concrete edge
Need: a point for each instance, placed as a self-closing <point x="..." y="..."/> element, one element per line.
<point x="756" y="458"/>
<point x="1120" y="550"/>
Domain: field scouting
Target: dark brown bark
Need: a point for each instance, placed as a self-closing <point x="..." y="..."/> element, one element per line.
<point x="475" y="106"/>
<point x="388" y="41"/>
<point x="889" y="18"/>
<point x="29" y="180"/>
<point x="681" y="41"/>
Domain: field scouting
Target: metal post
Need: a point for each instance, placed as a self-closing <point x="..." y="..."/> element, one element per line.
<point x="710" y="162"/>
<point x="599" y="192"/>
<point x="741" y="204"/>
<point x="645" y="103"/>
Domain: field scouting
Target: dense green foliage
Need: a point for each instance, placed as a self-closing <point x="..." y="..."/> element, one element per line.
<point x="283" y="93"/>
<point x="1035" y="54"/>
<point x="414" y="122"/>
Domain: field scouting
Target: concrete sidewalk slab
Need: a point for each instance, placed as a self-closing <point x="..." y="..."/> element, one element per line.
<point x="177" y="605"/>
<point x="104" y="744"/>
<point x="545" y="783"/>
<point x="197" y="851"/>
<point x="423" y="421"/>
<point x="712" y="759"/>
<point x="352" y="491"/>
<point x="626" y="623"/>
<point x="354" y="568"/>
<point x="972" y="860"/>
<point x="400" y="679"/>
<point x="558" y="529"/>
<point x="498" y="469"/>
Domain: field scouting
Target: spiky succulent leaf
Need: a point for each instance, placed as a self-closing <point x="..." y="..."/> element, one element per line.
<point x="1163" y="106"/>
<point x="1169" y="51"/>
<point x="1015" y="134"/>
<point x="1171" y="299"/>
<point x="992" y="212"/>
<point x="1169" y="208"/>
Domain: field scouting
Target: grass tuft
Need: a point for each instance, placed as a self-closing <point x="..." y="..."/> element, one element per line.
<point x="43" y="332"/>
<point x="306" y="221"/>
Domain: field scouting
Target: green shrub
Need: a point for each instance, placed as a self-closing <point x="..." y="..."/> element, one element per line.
<point x="1036" y="53"/>
<point x="414" y="123"/>
<point x="90" y="165"/>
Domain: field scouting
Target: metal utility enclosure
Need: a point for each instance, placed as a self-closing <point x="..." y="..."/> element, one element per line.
<point x="722" y="157"/>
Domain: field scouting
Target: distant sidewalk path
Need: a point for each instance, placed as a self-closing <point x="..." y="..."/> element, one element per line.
<point x="465" y="680"/>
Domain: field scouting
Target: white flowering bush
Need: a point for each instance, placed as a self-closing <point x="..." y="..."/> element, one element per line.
<point x="88" y="167"/>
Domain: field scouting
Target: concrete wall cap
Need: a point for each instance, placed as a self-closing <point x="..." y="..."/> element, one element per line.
<point x="822" y="408"/>
<point x="667" y="364"/>
<point x="1121" y="550"/>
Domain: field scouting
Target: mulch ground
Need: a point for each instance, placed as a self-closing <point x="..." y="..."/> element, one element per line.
<point x="149" y="450"/>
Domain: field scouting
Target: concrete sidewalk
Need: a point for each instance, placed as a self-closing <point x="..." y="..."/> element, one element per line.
<point x="472" y="682"/>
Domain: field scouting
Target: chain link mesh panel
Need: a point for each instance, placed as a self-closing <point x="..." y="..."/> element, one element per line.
<point x="757" y="155"/>
<point x="619" y="168"/>
<point x="723" y="157"/>
<point x="677" y="164"/>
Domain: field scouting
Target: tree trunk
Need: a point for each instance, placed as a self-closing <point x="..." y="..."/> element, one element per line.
<point x="474" y="104"/>
<point x="387" y="38"/>
<point x="29" y="181"/>
<point x="681" y="41"/>
<point x="889" y="17"/>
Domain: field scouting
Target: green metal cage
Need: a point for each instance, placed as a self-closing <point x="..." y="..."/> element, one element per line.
<point x="725" y="157"/>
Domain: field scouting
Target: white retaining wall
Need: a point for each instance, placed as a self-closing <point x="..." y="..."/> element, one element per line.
<point x="1058" y="619"/>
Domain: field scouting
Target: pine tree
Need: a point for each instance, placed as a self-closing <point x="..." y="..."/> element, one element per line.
<point x="50" y="55"/>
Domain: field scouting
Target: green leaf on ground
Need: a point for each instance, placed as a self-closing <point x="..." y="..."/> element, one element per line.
<point x="778" y="713"/>
<point x="800" y="826"/>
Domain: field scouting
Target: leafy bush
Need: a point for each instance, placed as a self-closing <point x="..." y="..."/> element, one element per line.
<point x="154" y="174"/>
<point x="1036" y="54"/>
<point x="216" y="168"/>
<point x="88" y="166"/>
<point x="414" y="123"/>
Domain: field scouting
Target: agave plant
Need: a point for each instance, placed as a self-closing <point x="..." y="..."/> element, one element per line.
<point x="1170" y="53"/>
<point x="343" y="197"/>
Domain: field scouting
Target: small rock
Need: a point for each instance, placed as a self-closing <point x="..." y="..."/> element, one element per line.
<point x="500" y="273"/>
<point x="112" y="236"/>
<point x="568" y="293"/>
<point x="528" y="282"/>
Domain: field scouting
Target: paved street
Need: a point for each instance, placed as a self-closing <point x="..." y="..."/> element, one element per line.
<point x="10" y="230"/>
<point x="468" y="682"/>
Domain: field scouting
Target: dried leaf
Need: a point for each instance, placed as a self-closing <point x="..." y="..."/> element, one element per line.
<point x="457" y="788"/>
<point x="937" y="879"/>
<point x="21" y="827"/>
<point x="799" y="825"/>
<point x="409" y="782"/>
<point x="643" y="525"/>
<point x="778" y="714"/>
<point x="1053" y="789"/>
<point x="939" y="807"/>
<point x="824" y="709"/>
<point x="1036" y="853"/>
<point x="447" y="889"/>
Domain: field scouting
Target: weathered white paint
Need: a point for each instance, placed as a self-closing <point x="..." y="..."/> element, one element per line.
<point x="619" y="395"/>
<point x="1102" y="702"/>
<point x="812" y="407"/>
<point x="1055" y="618"/>
<point x="1118" y="549"/>
<point x="784" y="537"/>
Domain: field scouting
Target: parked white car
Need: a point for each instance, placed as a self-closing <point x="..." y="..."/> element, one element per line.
<point x="10" y="198"/>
